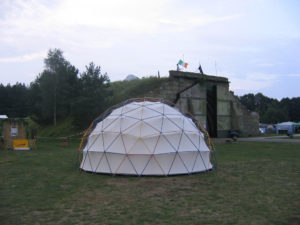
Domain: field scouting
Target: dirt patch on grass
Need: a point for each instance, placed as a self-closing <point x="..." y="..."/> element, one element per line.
<point x="118" y="181"/>
<point x="159" y="187"/>
<point x="65" y="186"/>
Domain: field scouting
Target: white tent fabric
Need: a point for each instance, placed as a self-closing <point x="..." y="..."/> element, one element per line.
<point x="285" y="126"/>
<point x="145" y="138"/>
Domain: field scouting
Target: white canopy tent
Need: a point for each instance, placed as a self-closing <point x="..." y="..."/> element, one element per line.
<point x="143" y="137"/>
<point x="284" y="127"/>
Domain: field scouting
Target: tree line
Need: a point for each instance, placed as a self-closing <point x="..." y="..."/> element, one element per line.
<point x="271" y="110"/>
<point x="57" y="92"/>
<point x="61" y="91"/>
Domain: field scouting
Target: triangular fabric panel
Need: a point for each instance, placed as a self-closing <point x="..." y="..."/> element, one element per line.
<point x="173" y="139"/>
<point x="178" y="167"/>
<point x="114" y="161"/>
<point x="108" y="139"/>
<point x="148" y="113"/>
<point x="139" y="162"/>
<point x="135" y="113"/>
<point x="85" y="163"/>
<point x="189" y="125"/>
<point x="117" y="111"/>
<point x="188" y="159"/>
<point x="153" y="168"/>
<point x="129" y="108"/>
<point x="94" y="143"/>
<point x="127" y="123"/>
<point x="126" y="167"/>
<point x="165" y="161"/>
<point x="176" y="120"/>
<point x="148" y="130"/>
<point x="169" y="126"/>
<point x="186" y="144"/>
<point x="168" y="110"/>
<point x="155" y="123"/>
<point x="201" y="163"/>
<point x="102" y="165"/>
<point x="117" y="146"/>
<point x="157" y="107"/>
<point x="129" y="142"/>
<point x="152" y="142"/>
<point x="111" y="123"/>
<point x="139" y="148"/>
<point x="164" y="146"/>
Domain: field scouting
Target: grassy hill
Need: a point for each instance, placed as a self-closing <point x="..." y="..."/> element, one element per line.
<point x="137" y="88"/>
<point x="63" y="128"/>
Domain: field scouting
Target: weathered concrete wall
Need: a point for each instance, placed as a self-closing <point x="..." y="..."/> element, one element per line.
<point x="223" y="110"/>
<point x="194" y="101"/>
<point x="188" y="91"/>
<point x="243" y="120"/>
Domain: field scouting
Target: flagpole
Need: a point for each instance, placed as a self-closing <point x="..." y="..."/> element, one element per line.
<point x="216" y="68"/>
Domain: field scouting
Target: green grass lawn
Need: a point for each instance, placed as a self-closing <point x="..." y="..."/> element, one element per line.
<point x="256" y="183"/>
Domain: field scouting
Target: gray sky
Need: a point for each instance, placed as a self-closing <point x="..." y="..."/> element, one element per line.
<point x="255" y="43"/>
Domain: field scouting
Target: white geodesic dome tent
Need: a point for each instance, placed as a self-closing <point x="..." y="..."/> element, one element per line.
<point x="144" y="137"/>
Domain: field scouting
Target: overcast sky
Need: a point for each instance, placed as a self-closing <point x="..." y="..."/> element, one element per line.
<point x="255" y="43"/>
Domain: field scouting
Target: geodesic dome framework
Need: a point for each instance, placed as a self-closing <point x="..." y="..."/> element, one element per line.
<point x="145" y="137"/>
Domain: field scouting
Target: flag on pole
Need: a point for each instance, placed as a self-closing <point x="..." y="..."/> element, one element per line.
<point x="182" y="63"/>
<point x="200" y="69"/>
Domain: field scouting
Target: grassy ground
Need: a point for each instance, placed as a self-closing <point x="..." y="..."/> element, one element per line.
<point x="257" y="183"/>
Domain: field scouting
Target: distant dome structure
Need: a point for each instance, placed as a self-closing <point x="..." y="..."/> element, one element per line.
<point x="145" y="137"/>
<point x="131" y="77"/>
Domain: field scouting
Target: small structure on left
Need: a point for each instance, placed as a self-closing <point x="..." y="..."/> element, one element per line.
<point x="14" y="133"/>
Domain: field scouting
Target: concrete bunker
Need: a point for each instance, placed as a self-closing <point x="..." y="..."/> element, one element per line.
<point x="210" y="101"/>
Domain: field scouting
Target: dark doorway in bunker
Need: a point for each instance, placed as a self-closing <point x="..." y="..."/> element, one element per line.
<point x="211" y="110"/>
